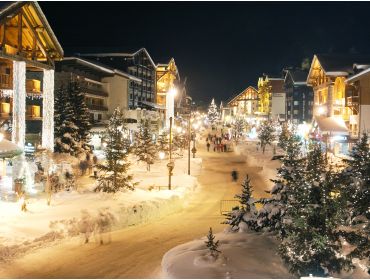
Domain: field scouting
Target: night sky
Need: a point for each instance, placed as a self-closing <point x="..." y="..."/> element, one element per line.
<point x="221" y="47"/>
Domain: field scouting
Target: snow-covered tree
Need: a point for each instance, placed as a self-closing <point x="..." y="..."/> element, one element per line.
<point x="355" y="191"/>
<point x="247" y="212"/>
<point x="266" y="134"/>
<point x="311" y="243"/>
<point x="144" y="148"/>
<point x="212" y="115"/>
<point x="65" y="130"/>
<point x="289" y="180"/>
<point x="81" y="116"/>
<point x="284" y="136"/>
<point x="114" y="170"/>
<point x="239" y="126"/>
<point x="163" y="142"/>
<point x="72" y="125"/>
<point x="212" y="245"/>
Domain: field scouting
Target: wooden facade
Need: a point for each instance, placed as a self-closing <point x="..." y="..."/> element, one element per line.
<point x="245" y="103"/>
<point x="28" y="50"/>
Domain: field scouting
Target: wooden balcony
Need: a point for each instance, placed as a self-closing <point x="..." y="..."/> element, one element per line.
<point x="94" y="91"/>
<point x="97" y="107"/>
<point x="6" y="81"/>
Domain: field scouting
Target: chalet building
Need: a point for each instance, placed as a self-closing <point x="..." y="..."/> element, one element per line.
<point x="105" y="88"/>
<point x="28" y="51"/>
<point x="138" y="64"/>
<point x="299" y="96"/>
<point x="336" y="110"/>
<point x="167" y="84"/>
<point x="358" y="99"/>
<point x="271" y="98"/>
<point x="244" y="104"/>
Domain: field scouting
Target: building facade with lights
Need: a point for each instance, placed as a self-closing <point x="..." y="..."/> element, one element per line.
<point x="138" y="64"/>
<point x="299" y="96"/>
<point x="244" y="104"/>
<point x="29" y="50"/>
<point x="336" y="115"/>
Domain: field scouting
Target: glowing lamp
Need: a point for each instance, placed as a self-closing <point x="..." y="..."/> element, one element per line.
<point x="173" y="91"/>
<point x="1" y="137"/>
<point x="161" y="155"/>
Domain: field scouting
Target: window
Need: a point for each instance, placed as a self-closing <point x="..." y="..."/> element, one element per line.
<point x="295" y="112"/>
<point x="99" y="117"/>
<point x="296" y="103"/>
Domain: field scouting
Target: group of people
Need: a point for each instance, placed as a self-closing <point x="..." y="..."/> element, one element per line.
<point x="219" y="143"/>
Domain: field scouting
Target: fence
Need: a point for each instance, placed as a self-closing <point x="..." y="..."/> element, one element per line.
<point x="227" y="206"/>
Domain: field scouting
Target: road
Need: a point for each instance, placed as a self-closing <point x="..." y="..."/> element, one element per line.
<point x="136" y="252"/>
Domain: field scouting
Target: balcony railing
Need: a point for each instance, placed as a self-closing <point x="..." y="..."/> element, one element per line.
<point x="6" y="81"/>
<point x="94" y="91"/>
<point x="97" y="107"/>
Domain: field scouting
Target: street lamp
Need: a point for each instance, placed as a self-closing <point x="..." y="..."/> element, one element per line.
<point x="170" y="105"/>
<point x="170" y="164"/>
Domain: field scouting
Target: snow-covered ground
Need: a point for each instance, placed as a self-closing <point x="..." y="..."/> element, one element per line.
<point x="243" y="255"/>
<point x="70" y="213"/>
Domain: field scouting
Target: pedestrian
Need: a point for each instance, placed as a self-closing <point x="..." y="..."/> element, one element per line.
<point x="234" y="175"/>
<point x="208" y="145"/>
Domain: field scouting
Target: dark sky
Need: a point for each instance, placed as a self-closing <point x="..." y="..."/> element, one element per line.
<point x="221" y="47"/>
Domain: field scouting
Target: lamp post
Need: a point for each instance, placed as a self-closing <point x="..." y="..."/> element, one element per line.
<point x="171" y="164"/>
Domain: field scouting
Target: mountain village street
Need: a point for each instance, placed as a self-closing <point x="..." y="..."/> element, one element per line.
<point x="137" y="251"/>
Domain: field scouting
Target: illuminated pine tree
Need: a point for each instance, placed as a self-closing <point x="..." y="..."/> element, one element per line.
<point x="266" y="134"/>
<point x="212" y="115"/>
<point x="114" y="170"/>
<point x="284" y="136"/>
<point x="144" y="148"/>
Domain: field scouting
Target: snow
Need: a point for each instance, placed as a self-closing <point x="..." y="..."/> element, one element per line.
<point x="23" y="231"/>
<point x="244" y="255"/>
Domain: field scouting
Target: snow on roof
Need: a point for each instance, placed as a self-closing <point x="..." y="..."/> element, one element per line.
<point x="332" y="125"/>
<point x="358" y="75"/>
<point x="90" y="63"/>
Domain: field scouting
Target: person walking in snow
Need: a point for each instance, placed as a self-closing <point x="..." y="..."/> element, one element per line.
<point x="234" y="175"/>
<point x="208" y="145"/>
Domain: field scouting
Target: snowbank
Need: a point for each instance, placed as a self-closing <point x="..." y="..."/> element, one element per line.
<point x="244" y="255"/>
<point x="69" y="211"/>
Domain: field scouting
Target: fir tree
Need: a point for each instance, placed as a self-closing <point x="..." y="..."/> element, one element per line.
<point x="284" y="136"/>
<point x="311" y="243"/>
<point x="266" y="134"/>
<point x="355" y="192"/>
<point x="246" y="212"/>
<point x="239" y="126"/>
<point x="212" y="115"/>
<point x="65" y="130"/>
<point x="272" y="216"/>
<point x="115" y="168"/>
<point x="212" y="245"/>
<point x="144" y="148"/>
<point x="163" y="143"/>
<point x="81" y="116"/>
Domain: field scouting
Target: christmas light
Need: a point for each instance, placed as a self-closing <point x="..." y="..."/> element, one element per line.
<point x="19" y="103"/>
<point x="48" y="110"/>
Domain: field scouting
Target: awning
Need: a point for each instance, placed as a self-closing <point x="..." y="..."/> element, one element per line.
<point x="331" y="125"/>
<point x="153" y="105"/>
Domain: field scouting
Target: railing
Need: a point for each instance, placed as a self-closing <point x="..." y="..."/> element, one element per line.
<point x="94" y="91"/>
<point x="97" y="107"/>
<point x="5" y="81"/>
<point x="227" y="206"/>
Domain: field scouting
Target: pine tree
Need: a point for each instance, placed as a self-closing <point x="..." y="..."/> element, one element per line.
<point x="65" y="130"/>
<point x="246" y="212"/>
<point x="311" y="243"/>
<point x="144" y="148"/>
<point x="355" y="191"/>
<point x="212" y="115"/>
<point x="81" y="116"/>
<point x="239" y="126"/>
<point x="266" y="134"/>
<point x="212" y="245"/>
<point x="272" y="216"/>
<point x="115" y="168"/>
<point x="163" y="143"/>
<point x="284" y="136"/>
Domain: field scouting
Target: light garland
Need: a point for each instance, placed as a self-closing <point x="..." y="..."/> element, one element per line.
<point x="48" y="110"/>
<point x="19" y="103"/>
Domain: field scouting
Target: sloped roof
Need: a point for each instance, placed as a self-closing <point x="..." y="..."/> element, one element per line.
<point x="341" y="62"/>
<point x="298" y="76"/>
<point x="331" y="125"/>
<point x="231" y="99"/>
<point x="29" y="7"/>
<point x="120" y="54"/>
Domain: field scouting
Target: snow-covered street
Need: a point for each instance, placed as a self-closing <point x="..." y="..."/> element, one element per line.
<point x="136" y="251"/>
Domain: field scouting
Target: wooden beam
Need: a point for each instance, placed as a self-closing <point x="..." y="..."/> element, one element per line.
<point x="20" y="32"/>
<point x="4" y="37"/>
<point x="28" y="62"/>
<point x="34" y="32"/>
